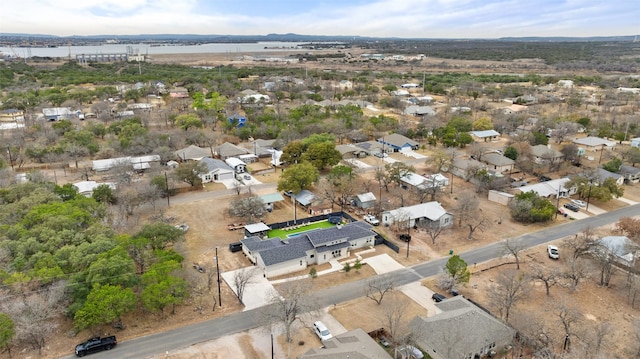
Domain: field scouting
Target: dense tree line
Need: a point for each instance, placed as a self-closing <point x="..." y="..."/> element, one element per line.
<point x="59" y="249"/>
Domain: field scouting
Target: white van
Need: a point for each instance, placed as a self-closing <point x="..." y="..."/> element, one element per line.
<point x="322" y="331"/>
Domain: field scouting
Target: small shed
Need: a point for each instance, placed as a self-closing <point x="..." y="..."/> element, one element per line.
<point x="304" y="197"/>
<point x="500" y="197"/>
<point x="365" y="200"/>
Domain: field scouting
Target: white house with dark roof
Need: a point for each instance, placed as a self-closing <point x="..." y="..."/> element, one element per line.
<point x="398" y="142"/>
<point x="432" y="212"/>
<point x="461" y="331"/>
<point x="603" y="174"/>
<point x="217" y="170"/>
<point x="279" y="256"/>
<point x="631" y="174"/>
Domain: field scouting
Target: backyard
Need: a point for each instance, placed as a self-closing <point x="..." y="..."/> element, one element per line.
<point x="297" y="229"/>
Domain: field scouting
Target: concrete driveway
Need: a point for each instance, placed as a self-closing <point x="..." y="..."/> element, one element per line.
<point x="357" y="163"/>
<point x="257" y="293"/>
<point x="232" y="183"/>
<point x="383" y="263"/>
<point x="416" y="291"/>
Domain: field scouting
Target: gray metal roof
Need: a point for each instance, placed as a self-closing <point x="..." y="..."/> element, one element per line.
<point x="461" y="321"/>
<point x="366" y="197"/>
<point x="629" y="170"/>
<point x="228" y="149"/>
<point x="354" y="344"/>
<point x="255" y="244"/>
<point x="485" y="133"/>
<point x="277" y="250"/>
<point x="333" y="247"/>
<point x="286" y="250"/>
<point x="305" y="197"/>
<point x="192" y="152"/>
<point x="347" y="232"/>
<point x="214" y="164"/>
<point x="497" y="159"/>
<point x="397" y="140"/>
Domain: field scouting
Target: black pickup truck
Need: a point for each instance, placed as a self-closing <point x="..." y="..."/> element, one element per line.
<point x="96" y="344"/>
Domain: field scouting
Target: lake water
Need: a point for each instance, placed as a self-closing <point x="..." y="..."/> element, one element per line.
<point x="147" y="49"/>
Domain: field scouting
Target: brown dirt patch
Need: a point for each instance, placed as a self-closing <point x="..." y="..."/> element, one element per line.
<point x="366" y="314"/>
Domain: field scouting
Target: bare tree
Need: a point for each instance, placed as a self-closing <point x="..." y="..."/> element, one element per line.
<point x="35" y="314"/>
<point x="533" y="332"/>
<point x="636" y="331"/>
<point x="510" y="288"/>
<point x="582" y="243"/>
<point x="377" y="287"/>
<point x="513" y="247"/>
<point x="597" y="335"/>
<point x="289" y="304"/>
<point x="241" y="279"/>
<point x="575" y="272"/>
<point x="466" y="206"/>
<point x="605" y="260"/>
<point x="434" y="230"/>
<point x="548" y="277"/>
<point x="568" y="316"/>
<point x="633" y="288"/>
<point x="477" y="224"/>
<point x="392" y="315"/>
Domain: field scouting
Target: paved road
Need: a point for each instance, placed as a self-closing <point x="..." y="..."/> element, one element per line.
<point x="238" y="322"/>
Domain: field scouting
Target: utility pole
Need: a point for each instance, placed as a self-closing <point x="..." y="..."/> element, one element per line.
<point x="166" y="183"/>
<point x="10" y="157"/>
<point x="589" y="195"/>
<point x="218" y="272"/>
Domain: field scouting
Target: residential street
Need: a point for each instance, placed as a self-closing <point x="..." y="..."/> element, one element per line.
<point x="182" y="337"/>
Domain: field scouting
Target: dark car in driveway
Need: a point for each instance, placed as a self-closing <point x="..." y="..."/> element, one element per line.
<point x="572" y="207"/>
<point x="437" y="297"/>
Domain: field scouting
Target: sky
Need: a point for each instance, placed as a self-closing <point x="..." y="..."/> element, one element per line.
<point x="378" y="18"/>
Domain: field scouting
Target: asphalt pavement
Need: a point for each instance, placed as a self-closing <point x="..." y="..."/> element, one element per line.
<point x="238" y="322"/>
